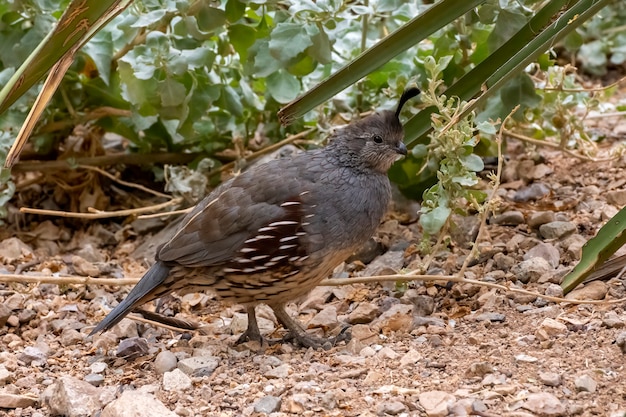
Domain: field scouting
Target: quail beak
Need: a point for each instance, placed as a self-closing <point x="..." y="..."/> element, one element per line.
<point x="401" y="149"/>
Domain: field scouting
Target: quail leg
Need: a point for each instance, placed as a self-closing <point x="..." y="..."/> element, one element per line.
<point x="300" y="335"/>
<point x="252" y="333"/>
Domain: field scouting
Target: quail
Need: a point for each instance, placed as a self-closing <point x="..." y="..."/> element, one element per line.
<point x="272" y="233"/>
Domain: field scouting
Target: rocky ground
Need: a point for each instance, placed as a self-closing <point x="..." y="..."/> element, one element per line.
<point x="419" y="349"/>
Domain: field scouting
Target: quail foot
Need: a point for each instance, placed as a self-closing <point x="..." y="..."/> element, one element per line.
<point x="272" y="233"/>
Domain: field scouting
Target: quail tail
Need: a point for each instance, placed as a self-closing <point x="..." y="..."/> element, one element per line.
<point x="140" y="294"/>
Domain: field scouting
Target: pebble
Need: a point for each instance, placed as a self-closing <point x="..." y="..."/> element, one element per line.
<point x="531" y="270"/>
<point x="70" y="337"/>
<point x="5" y="313"/>
<point x="544" y="404"/>
<point x="541" y="217"/>
<point x="616" y="197"/>
<point x="10" y="401"/>
<point x="32" y="355"/>
<point x="410" y="358"/>
<point x="98" y="367"/>
<point x="73" y="397"/>
<point x="94" y="379"/>
<point x="545" y="251"/>
<point x="280" y="372"/>
<point x="612" y="321"/>
<point x="620" y="341"/>
<point x="268" y="404"/>
<point x="585" y="383"/>
<point x="6" y="376"/>
<point x="398" y="318"/>
<point x="392" y="408"/>
<point x="364" y="313"/>
<point x="436" y="403"/>
<point x="492" y="317"/>
<point x="84" y="267"/>
<point x="557" y="229"/>
<point x="165" y="361"/>
<point x="551" y="379"/>
<point x="325" y="319"/>
<point x="534" y="191"/>
<point x="176" y="380"/>
<point x="554" y="290"/>
<point x="136" y="404"/>
<point x="13" y="249"/>
<point x="480" y="369"/>
<point x="388" y="263"/>
<point x="199" y="365"/>
<point x="132" y="347"/>
<point x="522" y="357"/>
<point x="509" y="218"/>
<point x="594" y="290"/>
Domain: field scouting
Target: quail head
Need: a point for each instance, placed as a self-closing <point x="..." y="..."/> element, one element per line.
<point x="272" y="233"/>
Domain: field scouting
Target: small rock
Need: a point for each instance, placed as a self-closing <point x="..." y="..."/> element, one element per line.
<point x="176" y="380"/>
<point x="268" y="404"/>
<point x="26" y="315"/>
<point x="392" y="408"/>
<point x="585" y="383"/>
<point x="6" y="376"/>
<point x="512" y="218"/>
<point x="280" y="372"/>
<point x="552" y="327"/>
<point x="165" y="361"/>
<point x="480" y="369"/>
<point x="410" y="358"/>
<point x="125" y="329"/>
<point x="132" y="348"/>
<point x="557" y="229"/>
<point x="531" y="270"/>
<point x="620" y="341"/>
<point x="33" y="356"/>
<point x="535" y="191"/>
<point x="98" y="367"/>
<point x="551" y="379"/>
<point x="544" y="404"/>
<point x="365" y="312"/>
<point x="387" y="264"/>
<point x="387" y="353"/>
<point x="541" y="217"/>
<point x="554" y="290"/>
<point x="325" y="319"/>
<point x="424" y="305"/>
<point x="136" y="404"/>
<point x="616" y="197"/>
<point x="199" y="365"/>
<point x="539" y="171"/>
<point x="70" y="337"/>
<point x="13" y="249"/>
<point x="525" y="358"/>
<point x="594" y="290"/>
<point x="94" y="379"/>
<point x="492" y="317"/>
<point x="435" y="403"/>
<point x="398" y="318"/>
<point x="5" y="313"/>
<point x="16" y="401"/>
<point x="74" y="398"/>
<point x="84" y="267"/>
<point x="545" y="251"/>
<point x="611" y="320"/>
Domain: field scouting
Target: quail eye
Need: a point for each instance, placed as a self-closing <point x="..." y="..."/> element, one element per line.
<point x="378" y="139"/>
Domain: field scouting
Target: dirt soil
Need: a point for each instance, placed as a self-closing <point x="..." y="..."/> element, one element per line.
<point x="431" y="348"/>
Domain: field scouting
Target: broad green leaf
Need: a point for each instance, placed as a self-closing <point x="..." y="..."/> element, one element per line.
<point x="210" y="18"/>
<point x="234" y="10"/>
<point x="288" y="40"/>
<point x="473" y="162"/>
<point x="172" y="92"/>
<point x="282" y="86"/>
<point x="242" y="37"/>
<point x="100" y="50"/>
<point x="433" y="221"/>
<point x="520" y="90"/>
